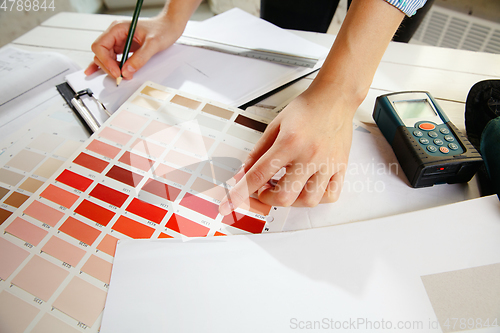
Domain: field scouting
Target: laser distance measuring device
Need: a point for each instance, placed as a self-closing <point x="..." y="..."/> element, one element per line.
<point x="429" y="147"/>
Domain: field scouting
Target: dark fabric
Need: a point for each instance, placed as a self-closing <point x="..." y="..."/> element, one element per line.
<point x="481" y="107"/>
<point x="490" y="150"/>
<point x="316" y="16"/>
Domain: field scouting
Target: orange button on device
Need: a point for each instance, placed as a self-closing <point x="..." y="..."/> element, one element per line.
<point x="427" y="126"/>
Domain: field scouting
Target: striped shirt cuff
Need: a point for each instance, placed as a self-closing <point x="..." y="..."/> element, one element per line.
<point x="409" y="7"/>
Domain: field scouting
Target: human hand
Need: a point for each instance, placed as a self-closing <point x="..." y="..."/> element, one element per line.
<point x="311" y="138"/>
<point x="151" y="36"/>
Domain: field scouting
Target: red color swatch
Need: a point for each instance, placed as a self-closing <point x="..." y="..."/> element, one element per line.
<point x="94" y="212"/>
<point x="74" y="180"/>
<point x="186" y="227"/>
<point x="59" y="196"/>
<point x="103" y="148"/>
<point x="79" y="230"/>
<point x="91" y="162"/>
<point x="132" y="228"/>
<point x="125" y="176"/>
<point x="244" y="222"/>
<point x="109" y="195"/>
<point x="199" y="205"/>
<point x="161" y="189"/>
<point x="146" y="210"/>
<point x="136" y="161"/>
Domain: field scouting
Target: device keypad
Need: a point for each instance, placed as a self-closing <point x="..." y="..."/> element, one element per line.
<point x="436" y="139"/>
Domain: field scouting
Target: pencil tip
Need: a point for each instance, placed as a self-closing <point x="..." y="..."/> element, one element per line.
<point x="118" y="80"/>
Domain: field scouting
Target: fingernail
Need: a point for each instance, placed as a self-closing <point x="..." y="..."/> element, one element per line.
<point x="131" y="69"/>
<point x="226" y="208"/>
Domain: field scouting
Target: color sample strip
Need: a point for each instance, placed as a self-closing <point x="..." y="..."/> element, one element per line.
<point x="244" y="222"/>
<point x="246" y="135"/>
<point x="9" y="177"/>
<point x="217" y="111"/>
<point x="129" y="121"/>
<point x="217" y="173"/>
<point x="11" y="256"/>
<point x="163" y="235"/>
<point x="186" y="227"/>
<point x="229" y="156"/>
<point x="89" y="305"/>
<point x="50" y="324"/>
<point x="46" y="142"/>
<point x="103" y="148"/>
<point x="98" y="268"/>
<point x="3" y="192"/>
<point x="161" y="132"/>
<point x="132" y="228"/>
<point x="16" y="199"/>
<point x="210" y="122"/>
<point x="250" y="123"/>
<point x="68" y="148"/>
<point x="182" y="160"/>
<point x="184" y="101"/>
<point x="40" y="277"/>
<point x="94" y="212"/>
<point x="200" y="205"/>
<point x="146" y="210"/>
<point x="136" y="161"/>
<point x="63" y="251"/>
<point x="155" y="93"/>
<point x="115" y="136"/>
<point x="26" y="231"/>
<point x="108" y="244"/>
<point x="31" y="185"/>
<point x="161" y="189"/>
<point x="146" y="103"/>
<point x="124" y="176"/>
<point x="172" y="174"/>
<point x="194" y="143"/>
<point x="44" y="213"/>
<point x="109" y="195"/>
<point x="4" y="215"/>
<point x="209" y="189"/>
<point x="15" y="314"/>
<point x="25" y="160"/>
<point x="74" y="180"/>
<point x="79" y="230"/>
<point x="91" y="162"/>
<point x="59" y="196"/>
<point x="48" y="167"/>
<point x="148" y="148"/>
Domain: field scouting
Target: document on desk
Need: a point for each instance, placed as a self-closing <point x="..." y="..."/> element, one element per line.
<point x="27" y="84"/>
<point x="412" y="272"/>
<point x="226" y="78"/>
<point x="157" y="169"/>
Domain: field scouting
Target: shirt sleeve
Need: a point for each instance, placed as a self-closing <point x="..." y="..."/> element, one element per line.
<point x="409" y="7"/>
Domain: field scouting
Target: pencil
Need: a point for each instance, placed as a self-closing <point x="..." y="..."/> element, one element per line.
<point x="130" y="37"/>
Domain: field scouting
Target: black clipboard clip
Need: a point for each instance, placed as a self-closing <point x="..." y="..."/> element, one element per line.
<point x="84" y="112"/>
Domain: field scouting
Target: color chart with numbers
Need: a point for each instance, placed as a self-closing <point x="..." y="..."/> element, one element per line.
<point x="158" y="168"/>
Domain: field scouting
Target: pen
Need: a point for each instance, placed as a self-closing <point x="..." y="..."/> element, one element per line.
<point x="130" y="37"/>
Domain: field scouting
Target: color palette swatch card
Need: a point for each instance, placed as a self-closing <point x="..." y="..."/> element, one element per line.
<point x="158" y="168"/>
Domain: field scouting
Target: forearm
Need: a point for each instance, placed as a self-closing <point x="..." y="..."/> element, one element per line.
<point x="358" y="49"/>
<point x="178" y="12"/>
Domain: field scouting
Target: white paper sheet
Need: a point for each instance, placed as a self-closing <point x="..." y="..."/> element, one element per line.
<point x="239" y="28"/>
<point x="27" y="84"/>
<point x="354" y="275"/>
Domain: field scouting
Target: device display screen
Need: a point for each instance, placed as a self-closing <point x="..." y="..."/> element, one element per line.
<point x="420" y="108"/>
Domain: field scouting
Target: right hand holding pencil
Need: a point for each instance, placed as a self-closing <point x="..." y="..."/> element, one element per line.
<point x="151" y="36"/>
